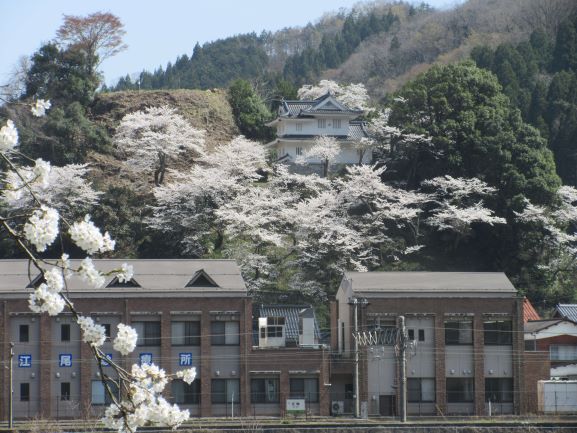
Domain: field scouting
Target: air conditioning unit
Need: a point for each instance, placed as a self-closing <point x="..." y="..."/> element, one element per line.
<point x="338" y="407"/>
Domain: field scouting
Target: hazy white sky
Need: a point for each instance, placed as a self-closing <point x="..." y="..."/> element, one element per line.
<point x="156" y="32"/>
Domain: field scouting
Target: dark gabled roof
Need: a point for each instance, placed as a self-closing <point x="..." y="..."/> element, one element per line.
<point x="36" y="281"/>
<point x="296" y="108"/>
<point x="356" y="131"/>
<point x="292" y="314"/>
<point x="568" y="311"/>
<point x="539" y="325"/>
<point x="116" y="283"/>
<point x="201" y="279"/>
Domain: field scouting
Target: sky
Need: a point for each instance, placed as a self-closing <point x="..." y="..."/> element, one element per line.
<point x="156" y="32"/>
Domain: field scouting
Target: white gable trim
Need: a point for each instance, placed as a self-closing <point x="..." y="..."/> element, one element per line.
<point x="561" y="328"/>
<point x="330" y="100"/>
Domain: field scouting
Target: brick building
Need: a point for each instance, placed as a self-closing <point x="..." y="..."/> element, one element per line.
<point x="187" y="313"/>
<point x="250" y="361"/>
<point x="468" y="330"/>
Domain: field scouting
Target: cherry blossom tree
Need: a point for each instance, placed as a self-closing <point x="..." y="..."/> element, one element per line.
<point x="325" y="148"/>
<point x="151" y="138"/>
<point x="186" y="206"/>
<point x="354" y="96"/>
<point x="362" y="146"/>
<point x="30" y="216"/>
<point x="459" y="204"/>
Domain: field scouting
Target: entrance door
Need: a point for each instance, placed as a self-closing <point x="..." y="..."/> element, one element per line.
<point x="387" y="405"/>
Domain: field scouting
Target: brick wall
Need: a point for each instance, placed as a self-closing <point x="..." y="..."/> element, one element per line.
<point x="536" y="367"/>
<point x="511" y="307"/>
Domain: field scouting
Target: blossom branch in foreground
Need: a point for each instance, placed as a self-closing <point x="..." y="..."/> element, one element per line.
<point x="30" y="203"/>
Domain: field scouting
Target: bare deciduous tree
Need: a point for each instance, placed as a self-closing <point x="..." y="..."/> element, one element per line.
<point x="99" y="34"/>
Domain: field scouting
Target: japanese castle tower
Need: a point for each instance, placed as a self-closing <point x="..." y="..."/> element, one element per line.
<point x="299" y="122"/>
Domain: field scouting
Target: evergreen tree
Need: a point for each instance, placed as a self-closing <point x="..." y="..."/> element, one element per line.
<point x="249" y="111"/>
<point x="565" y="53"/>
<point x="473" y="131"/>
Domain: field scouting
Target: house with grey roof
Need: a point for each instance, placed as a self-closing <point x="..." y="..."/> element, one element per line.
<point x="299" y="122"/>
<point x="466" y="343"/>
<point x="566" y="311"/>
<point x="557" y="338"/>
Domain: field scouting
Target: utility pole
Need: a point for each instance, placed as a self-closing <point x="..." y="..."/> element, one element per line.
<point x="403" y="368"/>
<point x="357" y="399"/>
<point x="11" y="400"/>
<point x="363" y="302"/>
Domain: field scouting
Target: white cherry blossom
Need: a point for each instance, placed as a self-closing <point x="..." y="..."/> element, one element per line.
<point x="92" y="333"/>
<point x="88" y="272"/>
<point x="88" y="237"/>
<point x="42" y="228"/>
<point x="187" y="375"/>
<point x="8" y="137"/>
<point x="125" y="341"/>
<point x="40" y="107"/>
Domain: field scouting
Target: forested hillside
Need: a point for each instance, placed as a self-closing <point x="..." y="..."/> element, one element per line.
<point x="382" y="44"/>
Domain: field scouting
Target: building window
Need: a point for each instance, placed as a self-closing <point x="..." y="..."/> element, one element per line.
<point x="65" y="332"/>
<point x="322" y="123"/>
<point x="299" y="127"/>
<point x="460" y="390"/>
<point x="459" y="332"/>
<point x="186" y="333"/>
<point x="421" y="335"/>
<point x="24" y="392"/>
<point x="530" y="345"/>
<point x="558" y="352"/>
<point x="264" y="390"/>
<point x="342" y="337"/>
<point x="305" y="388"/>
<point x="225" y="391"/>
<point x="24" y="334"/>
<point x="224" y="333"/>
<point x="299" y="151"/>
<point x="107" y="330"/>
<point x="420" y="390"/>
<point x="336" y="123"/>
<point x="148" y="333"/>
<point x="183" y="393"/>
<point x="411" y="334"/>
<point x="65" y="391"/>
<point x="349" y="391"/>
<point x="498" y="333"/>
<point x="499" y="390"/>
<point x="99" y="394"/>
<point x="274" y="326"/>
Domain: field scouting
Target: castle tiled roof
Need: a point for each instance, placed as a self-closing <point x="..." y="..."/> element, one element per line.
<point x="297" y="108"/>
